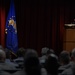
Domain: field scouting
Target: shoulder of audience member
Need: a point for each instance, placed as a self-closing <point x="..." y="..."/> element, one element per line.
<point x="67" y="72"/>
<point x="4" y="73"/>
<point x="43" y="71"/>
<point x="21" y="72"/>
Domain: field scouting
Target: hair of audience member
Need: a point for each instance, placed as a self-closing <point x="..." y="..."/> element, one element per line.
<point x="2" y="55"/>
<point x="44" y="50"/>
<point x="1" y="47"/>
<point x="50" y="51"/>
<point x="64" y="57"/>
<point x="21" y="52"/>
<point x="51" y="65"/>
<point x="31" y="63"/>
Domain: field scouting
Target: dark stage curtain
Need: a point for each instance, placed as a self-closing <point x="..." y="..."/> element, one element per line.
<point x="40" y="23"/>
<point x="2" y="23"/>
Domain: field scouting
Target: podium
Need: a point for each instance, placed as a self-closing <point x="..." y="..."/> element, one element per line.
<point x="69" y="37"/>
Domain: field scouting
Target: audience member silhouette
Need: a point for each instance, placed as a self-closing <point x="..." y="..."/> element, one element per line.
<point x="64" y="60"/>
<point x="20" y="59"/>
<point x="31" y="65"/>
<point x="3" y="65"/>
<point x="44" y="55"/>
<point x="52" y="52"/>
<point x="71" y="70"/>
<point x="51" y="65"/>
<point x="8" y="59"/>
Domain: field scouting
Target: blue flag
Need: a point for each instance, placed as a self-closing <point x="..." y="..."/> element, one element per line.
<point x="11" y="30"/>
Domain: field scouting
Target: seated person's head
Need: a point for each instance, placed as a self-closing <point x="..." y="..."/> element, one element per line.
<point x="51" y="65"/>
<point x="64" y="58"/>
<point x="1" y="47"/>
<point x="44" y="50"/>
<point x="73" y="54"/>
<point x="50" y="51"/>
<point x="31" y="62"/>
<point x="21" y="52"/>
